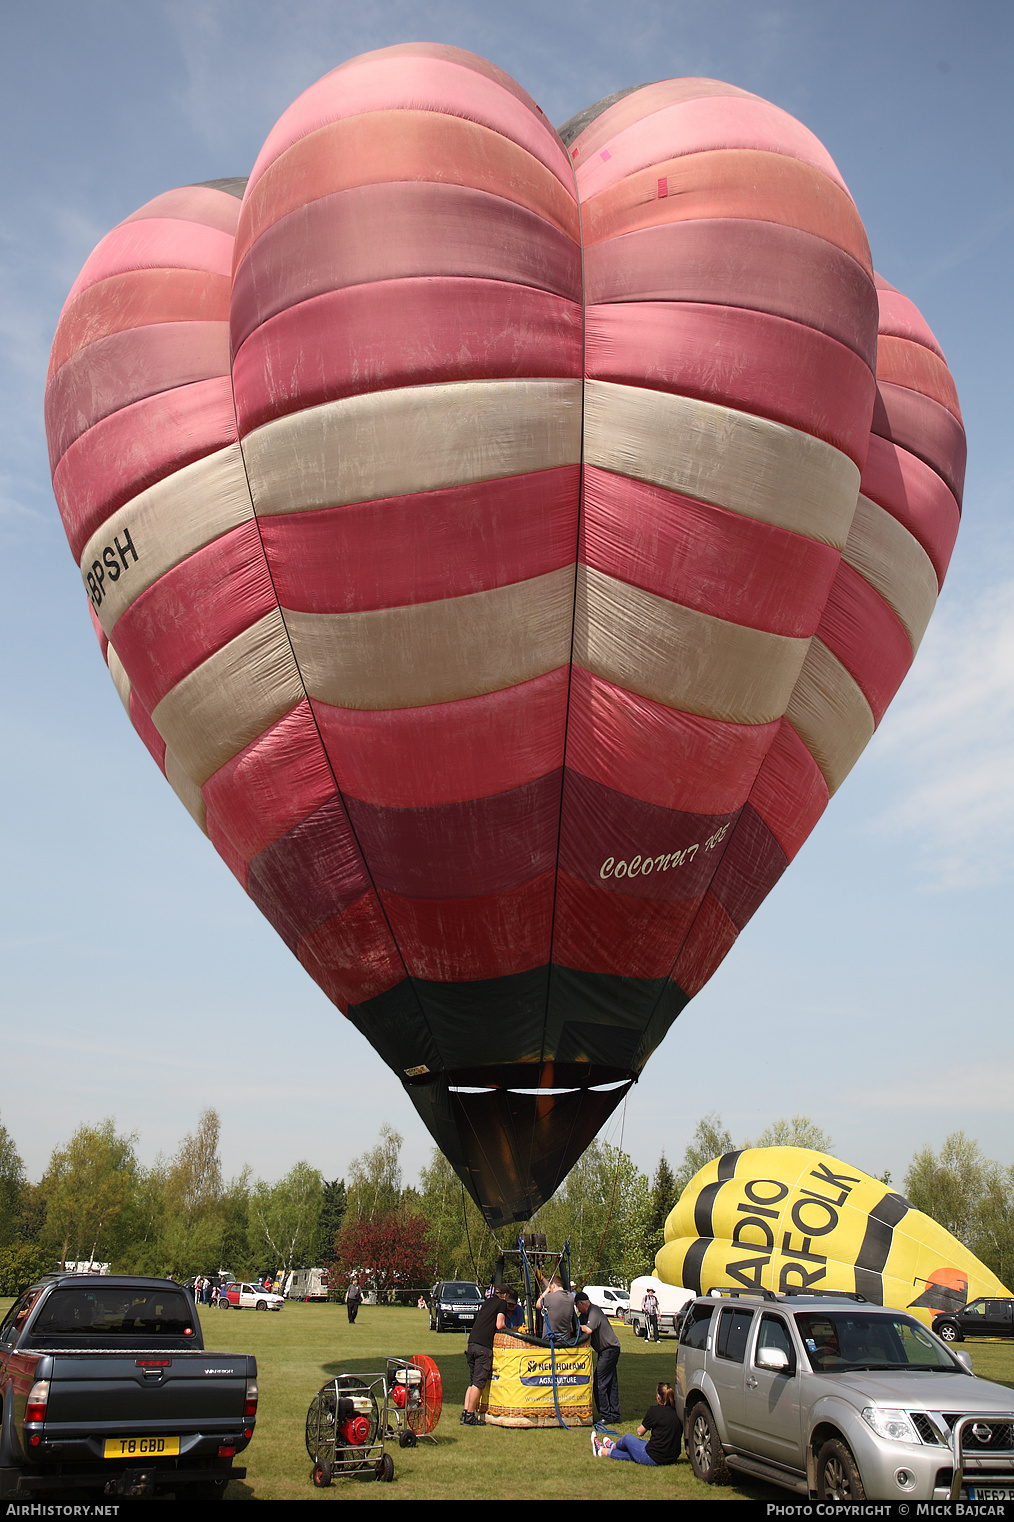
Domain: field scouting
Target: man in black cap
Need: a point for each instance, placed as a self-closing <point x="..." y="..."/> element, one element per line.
<point x="492" y="1318"/>
<point x="606" y="1344"/>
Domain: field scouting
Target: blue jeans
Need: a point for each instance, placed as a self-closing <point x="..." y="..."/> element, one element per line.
<point x="630" y="1447"/>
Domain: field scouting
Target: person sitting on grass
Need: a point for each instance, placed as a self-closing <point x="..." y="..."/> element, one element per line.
<point x="663" y="1445"/>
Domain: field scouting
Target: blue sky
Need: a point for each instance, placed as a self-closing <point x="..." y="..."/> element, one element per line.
<point x="872" y="989"/>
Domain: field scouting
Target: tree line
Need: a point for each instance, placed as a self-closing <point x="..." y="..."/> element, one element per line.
<point x="96" y="1202"/>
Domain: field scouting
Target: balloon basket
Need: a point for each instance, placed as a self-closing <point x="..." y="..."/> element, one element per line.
<point x="520" y="1392"/>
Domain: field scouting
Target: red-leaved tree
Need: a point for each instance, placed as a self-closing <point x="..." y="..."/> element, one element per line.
<point x="391" y="1252"/>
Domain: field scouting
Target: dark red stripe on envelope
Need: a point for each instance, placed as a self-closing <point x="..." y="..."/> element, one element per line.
<point x="352" y="957"/>
<point x="183" y="617"/>
<point x="313" y="873"/>
<point x="461" y="850"/>
<point x="790" y="793"/>
<point x="731" y="261"/>
<point x="448" y="752"/>
<point x="402" y="333"/>
<point x="751" y="865"/>
<point x="465" y="940"/>
<point x="739" y="358"/>
<point x="276" y="781"/>
<point x="867" y="636"/>
<point x="124" y="368"/>
<point x="912" y="492"/>
<point x="927" y="430"/>
<point x="704" y="557"/>
<point x="632" y="745"/>
<point x="636" y="848"/>
<point x="129" y="451"/>
<point x="426" y="546"/>
<point x="398" y="231"/>
<point x="601" y="931"/>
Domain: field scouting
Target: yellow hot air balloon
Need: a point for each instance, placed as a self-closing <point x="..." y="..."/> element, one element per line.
<point x="787" y="1218"/>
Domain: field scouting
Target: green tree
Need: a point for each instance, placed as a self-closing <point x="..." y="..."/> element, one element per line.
<point x="284" y="1217"/>
<point x="600" y="1210"/>
<point x="993" y="1229"/>
<point x="190" y="1240"/>
<point x="800" y="1131"/>
<point x="710" y="1140"/>
<point x="663" y="1198"/>
<point x="88" y="1188"/>
<point x="332" y="1212"/>
<point x="462" y="1244"/>
<point x="949" y="1187"/>
<point x="375" y="1177"/>
<point x="12" y="1187"/>
<point x="235" y="1208"/>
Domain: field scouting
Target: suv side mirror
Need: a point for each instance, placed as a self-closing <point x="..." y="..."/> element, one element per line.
<point x="774" y="1359"/>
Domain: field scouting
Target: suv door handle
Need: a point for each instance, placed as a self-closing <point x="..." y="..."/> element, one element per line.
<point x="751" y="1383"/>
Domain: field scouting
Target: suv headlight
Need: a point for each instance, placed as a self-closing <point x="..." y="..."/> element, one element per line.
<point x="893" y="1424"/>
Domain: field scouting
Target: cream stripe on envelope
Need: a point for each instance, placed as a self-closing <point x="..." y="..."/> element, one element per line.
<point x="715" y="454"/>
<point x="419" y="438"/>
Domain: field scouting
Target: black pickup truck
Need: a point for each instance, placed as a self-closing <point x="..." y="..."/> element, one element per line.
<point x="106" y="1387"/>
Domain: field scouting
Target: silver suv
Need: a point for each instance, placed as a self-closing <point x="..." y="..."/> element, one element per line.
<point x="837" y="1399"/>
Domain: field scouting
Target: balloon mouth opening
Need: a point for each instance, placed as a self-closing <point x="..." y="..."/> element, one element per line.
<point x="516" y="1088"/>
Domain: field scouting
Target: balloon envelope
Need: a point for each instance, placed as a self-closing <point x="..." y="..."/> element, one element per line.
<point x="787" y="1218"/>
<point x="485" y="533"/>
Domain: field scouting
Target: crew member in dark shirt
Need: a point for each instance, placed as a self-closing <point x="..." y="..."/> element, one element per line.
<point x="492" y="1318"/>
<point x="606" y="1344"/>
<point x="663" y="1425"/>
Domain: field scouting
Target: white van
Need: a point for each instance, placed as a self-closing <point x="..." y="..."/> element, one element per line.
<point x="609" y="1298"/>
<point x="671" y="1300"/>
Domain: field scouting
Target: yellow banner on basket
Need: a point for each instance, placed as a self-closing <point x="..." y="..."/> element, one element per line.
<point x="520" y="1389"/>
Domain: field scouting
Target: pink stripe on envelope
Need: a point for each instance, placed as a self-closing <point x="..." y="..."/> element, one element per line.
<point x="426" y="546"/>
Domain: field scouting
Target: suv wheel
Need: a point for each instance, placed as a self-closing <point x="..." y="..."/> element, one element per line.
<point x="949" y="1332"/>
<point x="703" y="1447"/>
<point x="440" y="1322"/>
<point x="837" y="1476"/>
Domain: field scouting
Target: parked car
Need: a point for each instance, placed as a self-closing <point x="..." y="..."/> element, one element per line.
<point x="247" y="1297"/>
<point x="454" y="1305"/>
<point x="982" y="1318"/>
<point x="840" y="1400"/>
<point x="105" y="1386"/>
<point x="609" y="1298"/>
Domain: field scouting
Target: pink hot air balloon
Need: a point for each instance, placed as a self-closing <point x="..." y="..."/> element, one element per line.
<point x="505" y="541"/>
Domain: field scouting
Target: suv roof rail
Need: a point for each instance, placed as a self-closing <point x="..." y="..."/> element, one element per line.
<point x="827" y="1294"/>
<point x="733" y="1293"/>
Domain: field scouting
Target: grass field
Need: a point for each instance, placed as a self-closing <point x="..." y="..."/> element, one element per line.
<point x="303" y="1346"/>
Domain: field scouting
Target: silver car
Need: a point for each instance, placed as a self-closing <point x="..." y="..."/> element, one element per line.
<point x="837" y="1399"/>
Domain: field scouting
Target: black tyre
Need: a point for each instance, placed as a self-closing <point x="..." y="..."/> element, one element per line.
<point x="385" y="1469"/>
<point x="407" y="1439"/>
<point x="223" y="1304"/>
<point x="704" y="1448"/>
<point x="322" y="1474"/>
<point x="838" y="1479"/>
<point x="950" y="1332"/>
<point x="440" y="1322"/>
<point x="261" y="1305"/>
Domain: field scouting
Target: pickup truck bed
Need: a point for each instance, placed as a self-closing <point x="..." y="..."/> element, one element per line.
<point x="105" y="1385"/>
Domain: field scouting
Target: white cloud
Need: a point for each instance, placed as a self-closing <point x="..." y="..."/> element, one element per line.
<point x="979" y="1088"/>
<point x="949" y="742"/>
